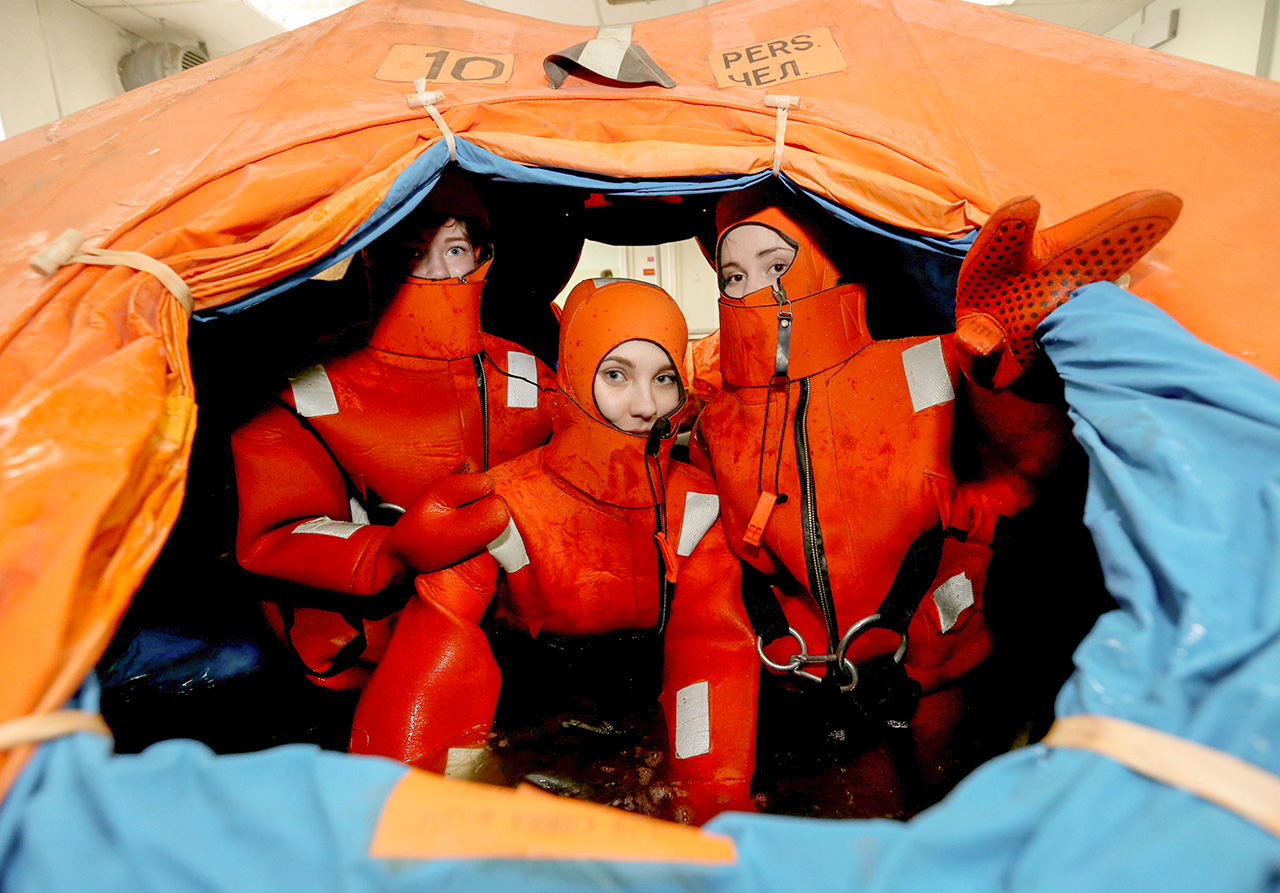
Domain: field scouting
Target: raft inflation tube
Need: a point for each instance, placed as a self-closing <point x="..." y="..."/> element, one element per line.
<point x="1161" y="768"/>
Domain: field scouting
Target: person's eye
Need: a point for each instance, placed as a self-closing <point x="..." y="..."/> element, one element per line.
<point x="612" y="375"/>
<point x="734" y="277"/>
<point x="779" y="267"/>
<point x="455" y="251"/>
<point x="666" y="379"/>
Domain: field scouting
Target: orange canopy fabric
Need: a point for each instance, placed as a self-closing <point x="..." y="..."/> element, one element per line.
<point x="922" y="114"/>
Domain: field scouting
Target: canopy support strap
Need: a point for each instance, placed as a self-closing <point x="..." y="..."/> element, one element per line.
<point x="46" y="726"/>
<point x="1232" y="783"/>
<point x="424" y="100"/>
<point x="68" y="249"/>
<point x="782" y="104"/>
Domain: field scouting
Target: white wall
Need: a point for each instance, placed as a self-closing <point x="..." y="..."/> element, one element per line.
<point x="56" y="57"/>
<point x="678" y="267"/>
<point x="1226" y="33"/>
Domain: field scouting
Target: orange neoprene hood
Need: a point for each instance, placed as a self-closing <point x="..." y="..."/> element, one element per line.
<point x="586" y="450"/>
<point x="811" y="271"/>
<point x="600" y="314"/>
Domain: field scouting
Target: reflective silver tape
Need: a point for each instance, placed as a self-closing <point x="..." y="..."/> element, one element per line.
<point x="312" y="393"/>
<point x="927" y="376"/>
<point x="693" y="721"/>
<point x="326" y="526"/>
<point x="462" y="762"/>
<point x="951" y="598"/>
<point x="604" y="55"/>
<point x="508" y="549"/>
<point x="522" y="392"/>
<point x="700" y="512"/>
<point x="358" y="514"/>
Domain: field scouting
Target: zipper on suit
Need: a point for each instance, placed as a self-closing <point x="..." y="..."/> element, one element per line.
<point x="483" y="388"/>
<point x="814" y="554"/>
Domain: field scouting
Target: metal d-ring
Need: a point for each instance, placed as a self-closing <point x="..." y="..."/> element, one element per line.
<point x="796" y="661"/>
<point x="871" y="621"/>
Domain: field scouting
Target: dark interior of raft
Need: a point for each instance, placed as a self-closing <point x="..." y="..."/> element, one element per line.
<point x="194" y="659"/>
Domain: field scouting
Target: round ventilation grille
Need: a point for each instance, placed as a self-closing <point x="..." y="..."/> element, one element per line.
<point x="153" y="61"/>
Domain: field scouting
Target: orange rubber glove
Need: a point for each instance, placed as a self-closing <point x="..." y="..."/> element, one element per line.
<point x="1013" y="277"/>
<point x="454" y="518"/>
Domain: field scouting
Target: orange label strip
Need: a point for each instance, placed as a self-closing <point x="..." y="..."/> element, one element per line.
<point x="430" y="817"/>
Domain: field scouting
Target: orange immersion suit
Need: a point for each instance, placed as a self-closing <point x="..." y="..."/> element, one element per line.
<point x="833" y="454"/>
<point x="607" y="534"/>
<point x="429" y="397"/>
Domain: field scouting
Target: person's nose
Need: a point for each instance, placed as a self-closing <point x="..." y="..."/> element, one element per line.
<point x="643" y="404"/>
<point x="433" y="267"/>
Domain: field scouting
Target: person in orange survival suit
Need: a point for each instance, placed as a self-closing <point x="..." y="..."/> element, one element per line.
<point x="407" y="423"/>
<point x="865" y="553"/>
<point x="608" y="534"/>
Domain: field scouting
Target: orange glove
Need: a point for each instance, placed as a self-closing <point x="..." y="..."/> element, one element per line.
<point x="1011" y="279"/>
<point x="455" y="517"/>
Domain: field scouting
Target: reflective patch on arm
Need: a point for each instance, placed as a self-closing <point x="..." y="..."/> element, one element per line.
<point x="508" y="549"/>
<point x="927" y="375"/>
<point x="312" y="393"/>
<point x="522" y="393"/>
<point x="326" y="526"/>
<point x="700" y="512"/>
<point x="693" y="721"/>
<point x="951" y="598"/>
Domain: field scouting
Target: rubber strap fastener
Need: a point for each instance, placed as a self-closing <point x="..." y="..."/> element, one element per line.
<point x="68" y="249"/>
<point x="47" y="726"/>
<point x="1238" y="786"/>
<point x="782" y="104"/>
<point x="423" y="99"/>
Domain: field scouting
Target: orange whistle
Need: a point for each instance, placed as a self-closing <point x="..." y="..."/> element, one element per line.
<point x="759" y="518"/>
<point x="669" y="557"/>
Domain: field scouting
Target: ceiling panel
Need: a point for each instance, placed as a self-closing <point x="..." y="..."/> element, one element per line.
<point x="1094" y="16"/>
<point x="227" y="25"/>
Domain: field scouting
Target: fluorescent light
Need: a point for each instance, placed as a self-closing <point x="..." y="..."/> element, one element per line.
<point x="290" y="14"/>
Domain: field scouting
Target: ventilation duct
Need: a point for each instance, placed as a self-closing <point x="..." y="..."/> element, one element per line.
<point x="153" y="61"/>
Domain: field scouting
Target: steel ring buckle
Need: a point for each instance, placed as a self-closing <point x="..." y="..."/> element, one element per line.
<point x="796" y="661"/>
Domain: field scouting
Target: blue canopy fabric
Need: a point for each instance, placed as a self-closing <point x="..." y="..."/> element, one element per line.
<point x="1184" y="507"/>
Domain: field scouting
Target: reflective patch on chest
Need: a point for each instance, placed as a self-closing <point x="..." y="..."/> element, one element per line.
<point x="700" y="512"/>
<point x="508" y="549"/>
<point x="313" y="393"/>
<point x="326" y="526"/>
<point x="693" y="721"/>
<point x="927" y="376"/>
<point x="951" y="598"/>
<point x="522" y="391"/>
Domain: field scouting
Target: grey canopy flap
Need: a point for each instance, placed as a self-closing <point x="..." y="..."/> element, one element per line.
<point x="610" y="54"/>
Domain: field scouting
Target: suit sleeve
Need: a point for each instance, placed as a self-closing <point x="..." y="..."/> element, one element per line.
<point x="295" y="519"/>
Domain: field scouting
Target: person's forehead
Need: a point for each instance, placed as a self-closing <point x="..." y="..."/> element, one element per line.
<point x="450" y="231"/>
<point x="638" y="350"/>
<point x="751" y="240"/>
